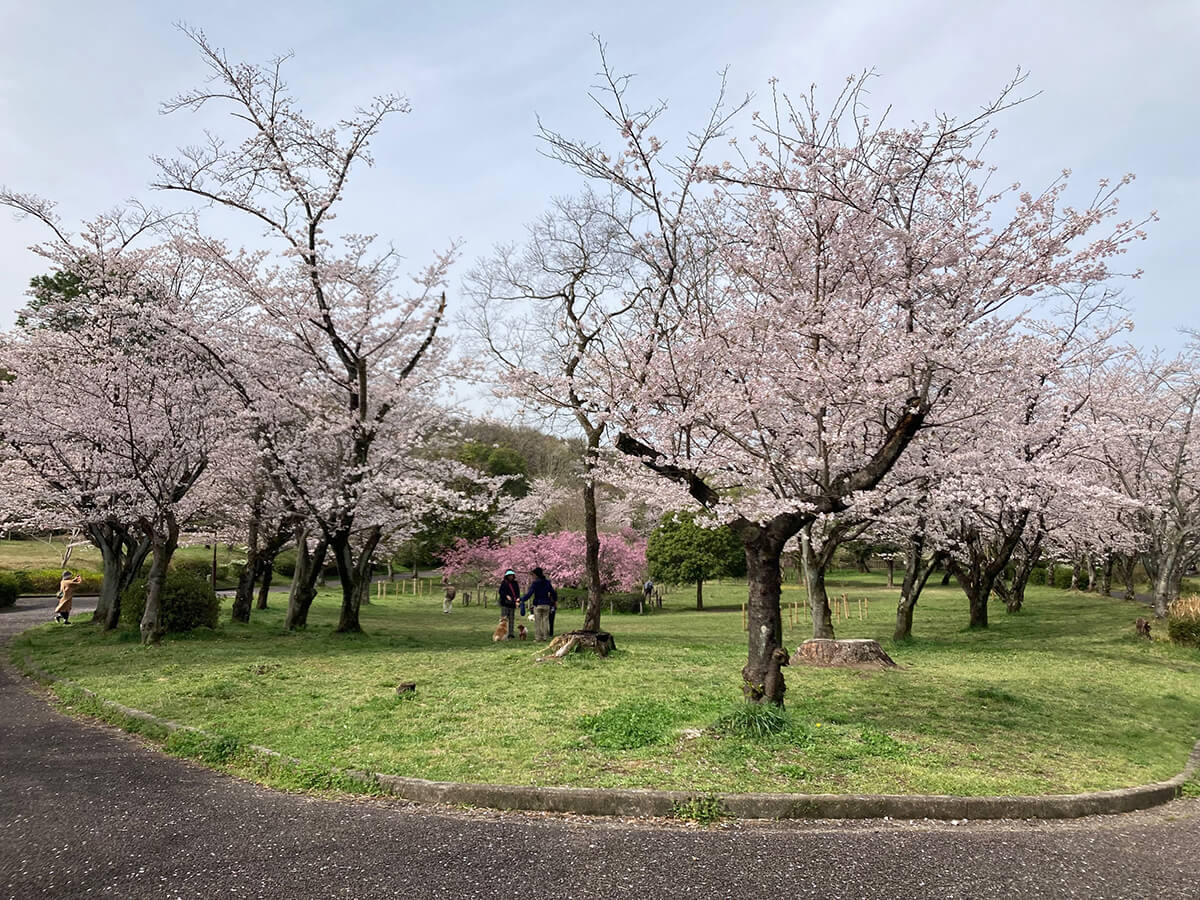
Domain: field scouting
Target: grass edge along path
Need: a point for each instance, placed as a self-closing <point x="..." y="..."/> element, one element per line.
<point x="265" y="766"/>
<point x="1025" y="709"/>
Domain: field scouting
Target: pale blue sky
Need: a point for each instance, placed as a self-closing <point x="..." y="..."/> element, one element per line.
<point x="80" y="85"/>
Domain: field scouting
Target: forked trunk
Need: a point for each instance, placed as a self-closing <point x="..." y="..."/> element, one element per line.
<point x="916" y="573"/>
<point x="123" y="557"/>
<point x="304" y="580"/>
<point x="355" y="576"/>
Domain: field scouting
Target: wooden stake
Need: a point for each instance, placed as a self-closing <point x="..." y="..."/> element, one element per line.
<point x="745" y="625"/>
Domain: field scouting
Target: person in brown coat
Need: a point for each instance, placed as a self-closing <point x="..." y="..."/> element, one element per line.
<point x="66" y="595"/>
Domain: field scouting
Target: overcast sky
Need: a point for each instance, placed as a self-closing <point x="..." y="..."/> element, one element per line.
<point x="81" y="84"/>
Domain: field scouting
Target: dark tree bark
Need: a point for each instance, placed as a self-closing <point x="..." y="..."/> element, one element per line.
<point x="983" y="565"/>
<point x="1106" y="573"/>
<point x="1023" y="564"/>
<point x="123" y="553"/>
<point x="265" y="578"/>
<point x="1128" y="566"/>
<point x="163" y="540"/>
<point x="917" y="570"/>
<point x="699" y="593"/>
<point x="591" y="528"/>
<point x="813" y="565"/>
<point x="762" y="676"/>
<point x="355" y="576"/>
<point x="304" y="580"/>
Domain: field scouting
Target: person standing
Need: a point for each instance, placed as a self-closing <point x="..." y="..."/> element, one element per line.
<point x="66" y="596"/>
<point x="450" y="591"/>
<point x="543" y="595"/>
<point x="510" y="593"/>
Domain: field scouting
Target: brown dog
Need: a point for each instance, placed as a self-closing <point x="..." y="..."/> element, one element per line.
<point x="501" y="632"/>
<point x="521" y="633"/>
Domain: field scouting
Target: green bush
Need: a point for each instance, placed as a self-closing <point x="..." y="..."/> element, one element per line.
<point x="1184" y="631"/>
<point x="1062" y="578"/>
<point x="46" y="581"/>
<point x="10" y="589"/>
<point x="285" y="563"/>
<point x="188" y="601"/>
<point x="1038" y="575"/>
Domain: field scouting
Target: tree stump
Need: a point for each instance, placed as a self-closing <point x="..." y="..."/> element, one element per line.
<point x="860" y="653"/>
<point x="599" y="642"/>
<point x="1143" y="628"/>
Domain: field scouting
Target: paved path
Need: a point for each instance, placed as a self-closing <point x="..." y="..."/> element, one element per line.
<point x="86" y="811"/>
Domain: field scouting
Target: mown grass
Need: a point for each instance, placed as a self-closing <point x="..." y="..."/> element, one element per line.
<point x="1059" y="698"/>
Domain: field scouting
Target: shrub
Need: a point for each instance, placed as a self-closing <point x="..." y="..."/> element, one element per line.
<point x="188" y="601"/>
<point x="1062" y="578"/>
<point x="46" y="581"/>
<point x="1183" y="621"/>
<point x="10" y="589"/>
<point x="754" y="720"/>
<point x="1038" y="575"/>
<point x="285" y="563"/>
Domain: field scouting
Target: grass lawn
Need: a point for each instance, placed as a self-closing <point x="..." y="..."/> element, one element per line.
<point x="1060" y="698"/>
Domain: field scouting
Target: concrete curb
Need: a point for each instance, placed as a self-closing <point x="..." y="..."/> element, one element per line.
<point x="645" y="802"/>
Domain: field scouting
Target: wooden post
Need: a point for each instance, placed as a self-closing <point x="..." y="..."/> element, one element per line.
<point x="745" y="627"/>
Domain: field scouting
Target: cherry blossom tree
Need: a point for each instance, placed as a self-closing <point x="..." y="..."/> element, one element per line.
<point x="342" y="373"/>
<point x="863" y="275"/>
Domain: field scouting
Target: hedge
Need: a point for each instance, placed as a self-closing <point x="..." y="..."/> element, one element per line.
<point x="46" y="581"/>
<point x="10" y="589"/>
<point x="188" y="601"/>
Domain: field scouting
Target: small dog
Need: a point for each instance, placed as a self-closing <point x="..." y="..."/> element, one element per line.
<point x="501" y="632"/>
<point x="521" y="633"/>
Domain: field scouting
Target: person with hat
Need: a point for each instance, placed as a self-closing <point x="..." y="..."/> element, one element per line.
<point x="510" y="595"/>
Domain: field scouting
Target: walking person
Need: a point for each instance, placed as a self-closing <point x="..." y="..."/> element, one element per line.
<point x="543" y="595"/>
<point x="510" y="594"/>
<point x="450" y="591"/>
<point x="66" y="595"/>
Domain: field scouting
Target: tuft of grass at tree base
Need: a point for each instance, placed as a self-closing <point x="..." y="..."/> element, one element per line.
<point x="1061" y="698"/>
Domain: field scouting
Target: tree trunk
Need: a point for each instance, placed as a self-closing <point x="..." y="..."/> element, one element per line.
<point x="699" y="594"/>
<point x="946" y="577"/>
<point x="1075" y="572"/>
<point x="891" y="564"/>
<point x="1128" y="565"/>
<point x="814" y="584"/>
<point x="1106" y="574"/>
<point x="268" y="575"/>
<point x="591" y="528"/>
<point x="1015" y="601"/>
<point x="1051" y="573"/>
<point x="1166" y="585"/>
<point x="304" y="580"/>
<point x="123" y="557"/>
<point x="163" y="541"/>
<point x="1089" y="569"/>
<point x="762" y="677"/>
<point x="983" y="567"/>
<point x="916" y="574"/>
<point x="355" y="576"/>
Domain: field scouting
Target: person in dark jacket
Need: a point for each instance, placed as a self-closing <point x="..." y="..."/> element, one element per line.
<point x="510" y="593"/>
<point x="543" y="595"/>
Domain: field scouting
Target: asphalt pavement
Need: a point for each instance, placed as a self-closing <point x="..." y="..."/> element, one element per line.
<point x="88" y="811"/>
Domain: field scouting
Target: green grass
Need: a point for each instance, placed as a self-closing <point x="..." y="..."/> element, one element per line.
<point x="16" y="555"/>
<point x="1059" y="698"/>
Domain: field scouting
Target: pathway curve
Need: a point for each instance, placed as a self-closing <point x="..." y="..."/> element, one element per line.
<point x="87" y="811"/>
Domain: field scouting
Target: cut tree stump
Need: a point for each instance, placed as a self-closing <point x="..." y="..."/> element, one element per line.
<point x="859" y="653"/>
<point x="599" y="642"/>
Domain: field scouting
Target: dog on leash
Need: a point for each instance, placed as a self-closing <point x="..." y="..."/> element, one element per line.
<point x="522" y="634"/>
<point x="501" y="632"/>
